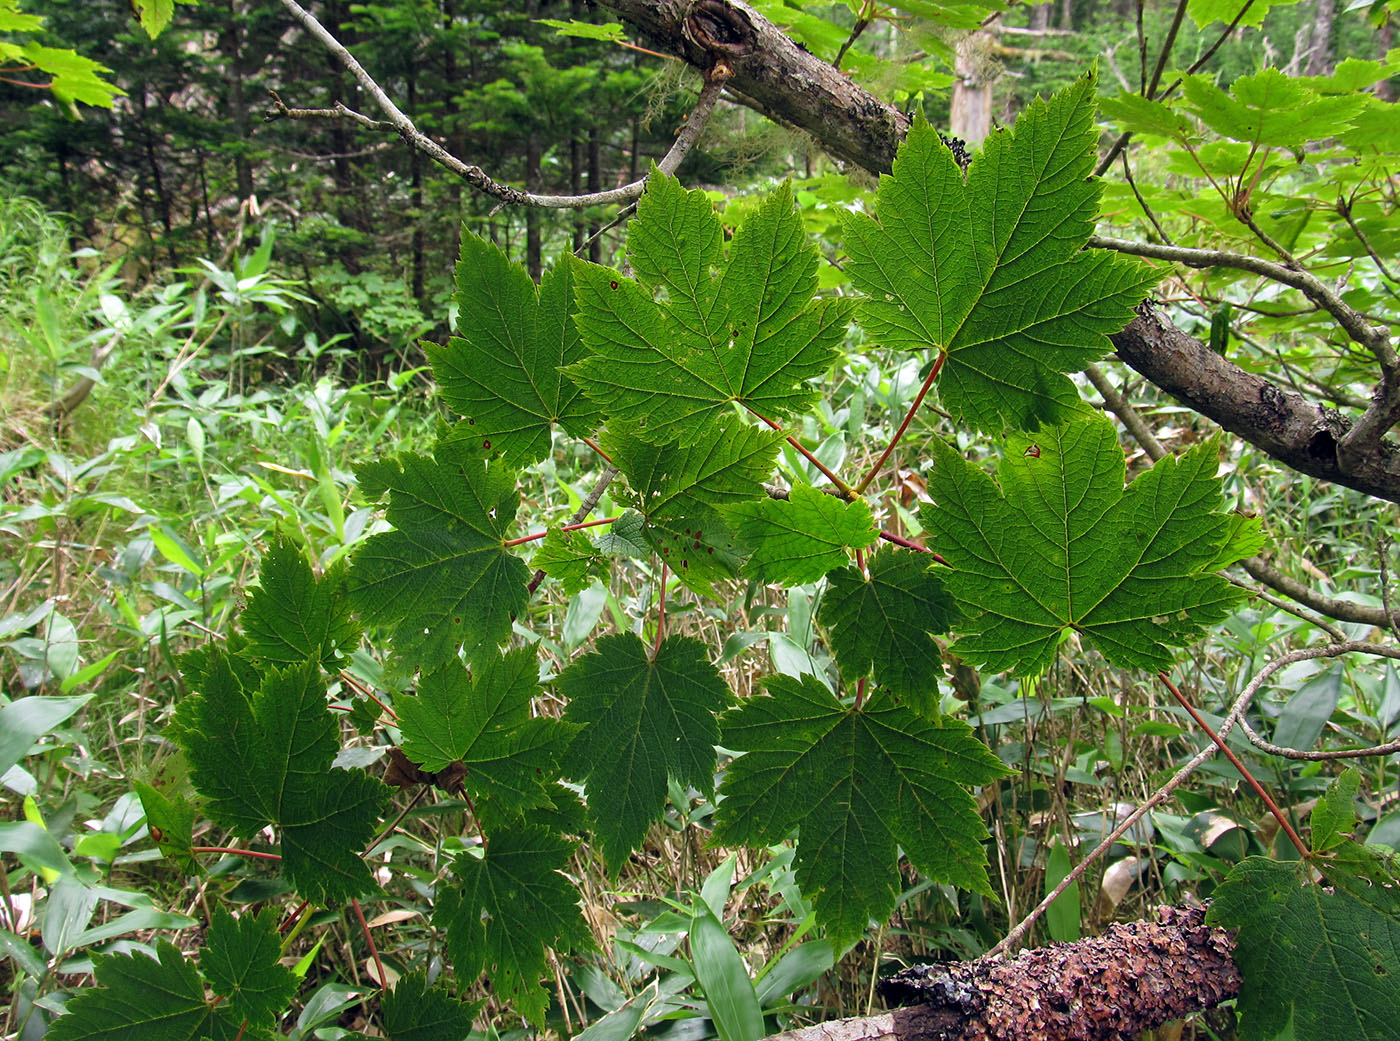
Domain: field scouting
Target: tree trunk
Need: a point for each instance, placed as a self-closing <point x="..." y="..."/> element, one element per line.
<point x="595" y="184"/>
<point x="534" y="261"/>
<point x="415" y="200"/>
<point x="1320" y="58"/>
<point x="1385" y="40"/>
<point x="970" y="115"/>
<point x="232" y="46"/>
<point x="576" y="160"/>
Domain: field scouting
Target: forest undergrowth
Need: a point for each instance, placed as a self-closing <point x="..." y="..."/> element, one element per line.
<point x="218" y="428"/>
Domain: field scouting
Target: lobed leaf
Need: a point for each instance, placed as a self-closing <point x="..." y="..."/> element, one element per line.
<point x="415" y="1011"/>
<point x="504" y="372"/>
<point x="155" y="999"/>
<point x="444" y="579"/>
<point x="1322" y="958"/>
<point x="672" y="350"/>
<point x="264" y="757"/>
<point x="292" y="616"/>
<point x="800" y="538"/>
<point x="645" y="719"/>
<point x="241" y="961"/>
<point x="508" y="908"/>
<point x="1056" y="544"/>
<point x="882" y="622"/>
<point x="857" y="785"/>
<point x="570" y="559"/>
<point x="483" y="721"/>
<point x="681" y="489"/>
<point x="993" y="271"/>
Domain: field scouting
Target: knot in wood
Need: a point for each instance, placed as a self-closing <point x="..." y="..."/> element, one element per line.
<point x="719" y="28"/>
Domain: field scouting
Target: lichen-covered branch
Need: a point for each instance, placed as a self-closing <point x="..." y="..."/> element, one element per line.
<point x="1136" y="976"/>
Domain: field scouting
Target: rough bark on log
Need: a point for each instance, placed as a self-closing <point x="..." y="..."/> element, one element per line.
<point x="1137" y="976"/>
<point x="775" y="77"/>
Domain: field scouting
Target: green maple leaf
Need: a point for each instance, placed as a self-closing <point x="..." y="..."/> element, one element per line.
<point x="625" y="537"/>
<point x="883" y="623"/>
<point x="643" y="720"/>
<point x="154" y="999"/>
<point x="670" y="351"/>
<point x="508" y="908"/>
<point x="292" y="617"/>
<point x="75" y="78"/>
<point x="1207" y="12"/>
<point x="414" y="1011"/>
<point x="858" y="785"/>
<point x="802" y="537"/>
<point x="483" y="721"/>
<point x="264" y="757"/>
<point x="503" y="371"/>
<point x="570" y="559"/>
<point x="240" y="960"/>
<point x="1323" y="958"/>
<point x="444" y="578"/>
<point x="155" y="15"/>
<point x="681" y="489"/>
<point x="1271" y="109"/>
<point x="993" y="271"/>
<point x="1057" y="544"/>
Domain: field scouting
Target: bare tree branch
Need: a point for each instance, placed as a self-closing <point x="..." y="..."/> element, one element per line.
<point x="716" y="74"/>
<point x="1374" y="339"/>
<point x="1297" y="432"/>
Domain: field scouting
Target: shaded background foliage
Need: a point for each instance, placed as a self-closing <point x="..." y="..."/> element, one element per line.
<point x="119" y="557"/>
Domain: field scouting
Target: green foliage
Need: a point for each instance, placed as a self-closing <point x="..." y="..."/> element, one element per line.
<point x="570" y="559"/>
<point x="504" y="371"/>
<point x="751" y="334"/>
<point x="645" y="718"/>
<point x="1207" y="12"/>
<point x="264" y="757"/>
<point x="443" y="578"/>
<point x="507" y="907"/>
<point x="858" y="783"/>
<point x="158" y="998"/>
<point x="483" y="722"/>
<point x="990" y="270"/>
<point x="293" y="616"/>
<point x="1056" y="544"/>
<point x="415" y="1011"/>
<point x="802" y="537"/>
<point x="240" y="961"/>
<point x="882" y="621"/>
<point x="681" y="489"/>
<point x="1301" y="945"/>
<point x="673" y="368"/>
<point x="74" y="78"/>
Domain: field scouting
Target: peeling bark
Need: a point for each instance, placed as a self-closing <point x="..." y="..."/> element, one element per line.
<point x="774" y="76"/>
<point x="1137" y="976"/>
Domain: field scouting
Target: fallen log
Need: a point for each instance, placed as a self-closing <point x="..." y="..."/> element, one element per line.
<point x="1136" y="976"/>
